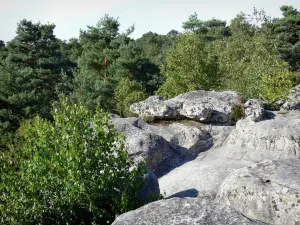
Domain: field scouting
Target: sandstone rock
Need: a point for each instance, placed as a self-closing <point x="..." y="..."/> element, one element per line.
<point x="293" y="100"/>
<point x="254" y="110"/>
<point x="162" y="147"/>
<point x="267" y="191"/>
<point x="154" y="150"/>
<point x="184" y="139"/>
<point x="202" y="175"/>
<point x="179" y="211"/>
<point x="272" y="139"/>
<point x="204" y="106"/>
<point x="235" y="148"/>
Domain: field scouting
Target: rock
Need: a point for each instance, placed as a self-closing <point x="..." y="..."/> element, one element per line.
<point x="268" y="191"/>
<point x="129" y="126"/>
<point x="151" y="190"/>
<point x="186" y="140"/>
<point x="179" y="211"/>
<point x="293" y="100"/>
<point x="146" y="147"/>
<point x="204" y="106"/>
<point x="202" y="175"/>
<point x="255" y="109"/>
<point x="272" y="139"/>
<point x="235" y="148"/>
<point x="162" y="147"/>
<point x="154" y="150"/>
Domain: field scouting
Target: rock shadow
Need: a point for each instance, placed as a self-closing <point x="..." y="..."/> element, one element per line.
<point x="192" y="193"/>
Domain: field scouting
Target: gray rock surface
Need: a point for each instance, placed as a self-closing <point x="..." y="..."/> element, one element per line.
<point x="268" y="191"/>
<point x="225" y="166"/>
<point x="293" y="100"/>
<point x="272" y="139"/>
<point x="204" y="106"/>
<point x="202" y="175"/>
<point x="255" y="110"/>
<point x="163" y="147"/>
<point x="183" y="211"/>
<point x="150" y="148"/>
<point x="248" y="143"/>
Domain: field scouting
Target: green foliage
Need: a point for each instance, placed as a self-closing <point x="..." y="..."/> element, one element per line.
<point x="94" y="83"/>
<point x="285" y="34"/>
<point x="207" y="31"/>
<point x="148" y="119"/>
<point x="189" y="66"/>
<point x="74" y="170"/>
<point x="237" y="112"/>
<point x="127" y="93"/>
<point x="30" y="75"/>
<point x="277" y="83"/>
<point x="249" y="63"/>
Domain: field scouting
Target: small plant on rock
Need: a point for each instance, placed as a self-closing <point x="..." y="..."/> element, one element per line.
<point x="237" y="112"/>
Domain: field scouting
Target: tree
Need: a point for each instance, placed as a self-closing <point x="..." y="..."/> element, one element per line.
<point x="30" y="74"/>
<point x="133" y="64"/>
<point x="3" y="51"/>
<point x="189" y="66"/>
<point x="209" y="30"/>
<point x="94" y="82"/>
<point x="286" y="34"/>
<point x="249" y="63"/>
<point x="74" y="170"/>
<point x="127" y="93"/>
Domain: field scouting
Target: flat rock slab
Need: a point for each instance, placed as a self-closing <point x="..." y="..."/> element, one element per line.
<point x="201" y="175"/>
<point x="268" y="191"/>
<point x="184" y="211"/>
<point x="204" y="106"/>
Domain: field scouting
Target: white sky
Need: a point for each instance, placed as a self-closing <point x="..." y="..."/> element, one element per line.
<point x="158" y="16"/>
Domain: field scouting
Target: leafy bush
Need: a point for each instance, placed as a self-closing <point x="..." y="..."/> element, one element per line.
<point x="74" y="170"/>
<point x="277" y="83"/>
<point x="128" y="92"/>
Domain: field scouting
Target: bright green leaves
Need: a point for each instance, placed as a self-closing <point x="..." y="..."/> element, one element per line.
<point x="128" y="92"/>
<point x="276" y="84"/>
<point x="72" y="170"/>
<point x="189" y="66"/>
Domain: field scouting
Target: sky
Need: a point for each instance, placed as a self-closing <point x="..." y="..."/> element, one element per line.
<point x="158" y="16"/>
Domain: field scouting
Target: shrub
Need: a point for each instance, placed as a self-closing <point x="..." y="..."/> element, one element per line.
<point x="237" y="112"/>
<point x="74" y="170"/>
<point x="277" y="83"/>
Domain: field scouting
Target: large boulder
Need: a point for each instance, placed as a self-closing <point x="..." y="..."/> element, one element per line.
<point x="179" y="211"/>
<point x="162" y="147"/>
<point x="150" y="148"/>
<point x="272" y="139"/>
<point x="186" y="140"/>
<point x="268" y="191"/>
<point x="293" y="100"/>
<point x="204" y="106"/>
